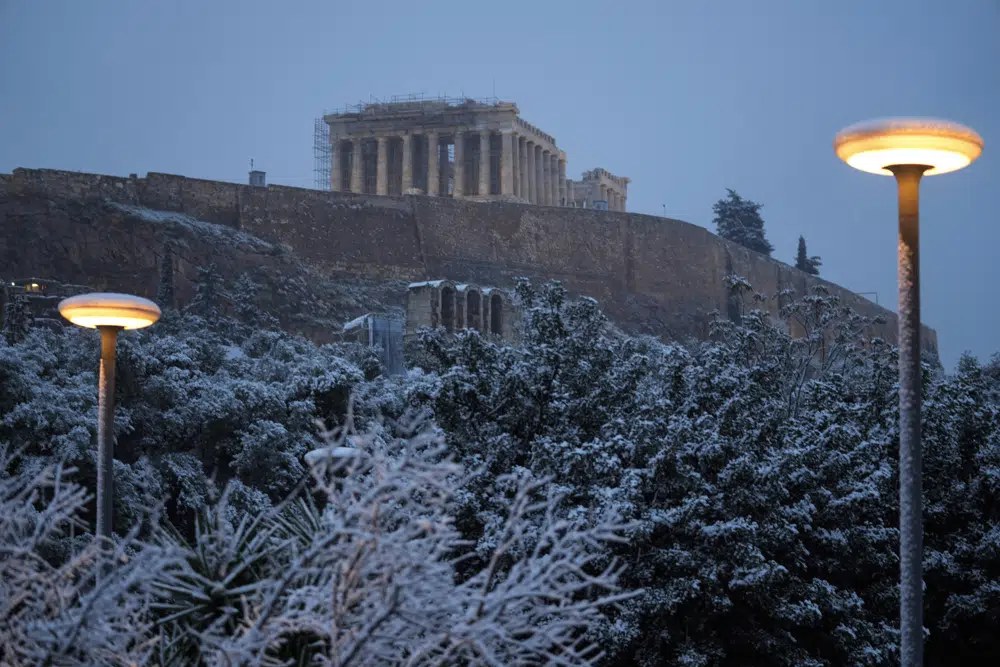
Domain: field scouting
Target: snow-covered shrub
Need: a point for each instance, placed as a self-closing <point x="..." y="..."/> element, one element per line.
<point x="366" y="575"/>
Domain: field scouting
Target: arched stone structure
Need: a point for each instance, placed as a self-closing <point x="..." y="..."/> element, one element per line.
<point x="474" y="308"/>
<point x="443" y="303"/>
<point x="496" y="314"/>
<point x="448" y="311"/>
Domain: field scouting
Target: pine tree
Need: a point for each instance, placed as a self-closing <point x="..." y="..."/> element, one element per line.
<point x="165" y="289"/>
<point x="15" y="319"/>
<point x="803" y="262"/>
<point x="246" y="307"/>
<point x="739" y="220"/>
<point x="208" y="293"/>
<point x="245" y="299"/>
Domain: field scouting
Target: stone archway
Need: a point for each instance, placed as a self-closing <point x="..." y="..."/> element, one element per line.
<point x="448" y="308"/>
<point x="473" y="310"/>
<point x="496" y="315"/>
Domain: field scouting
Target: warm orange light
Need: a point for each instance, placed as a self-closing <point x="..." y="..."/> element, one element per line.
<point x="106" y="309"/>
<point x="875" y="145"/>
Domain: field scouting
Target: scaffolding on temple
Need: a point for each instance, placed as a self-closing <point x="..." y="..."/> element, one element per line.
<point x="403" y="104"/>
<point x="322" y="155"/>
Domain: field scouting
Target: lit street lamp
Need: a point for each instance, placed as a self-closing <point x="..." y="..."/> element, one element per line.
<point x="109" y="313"/>
<point x="909" y="149"/>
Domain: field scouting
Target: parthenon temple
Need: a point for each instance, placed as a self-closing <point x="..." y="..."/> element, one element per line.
<point x="473" y="149"/>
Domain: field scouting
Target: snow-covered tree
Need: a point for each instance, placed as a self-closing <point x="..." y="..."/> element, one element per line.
<point x="739" y="220"/>
<point x="15" y="318"/>
<point x="165" y="284"/>
<point x="755" y="473"/>
<point x="245" y="305"/>
<point x="803" y="262"/>
<point x="209" y="294"/>
<point x="358" y="567"/>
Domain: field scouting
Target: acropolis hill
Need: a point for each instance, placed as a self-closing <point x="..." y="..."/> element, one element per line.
<point x="650" y="274"/>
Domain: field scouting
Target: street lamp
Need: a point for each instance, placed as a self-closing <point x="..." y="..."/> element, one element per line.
<point x="909" y="149"/>
<point x="109" y="313"/>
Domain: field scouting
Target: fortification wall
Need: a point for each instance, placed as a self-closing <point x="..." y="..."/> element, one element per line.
<point x="651" y="274"/>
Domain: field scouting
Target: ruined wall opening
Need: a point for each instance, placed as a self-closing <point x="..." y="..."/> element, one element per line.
<point x="459" y="310"/>
<point x="472" y="307"/>
<point x="418" y="148"/>
<point x="496" y="149"/>
<point x="470" y="180"/>
<point x="369" y="157"/>
<point x="394" y="166"/>
<point x="344" y="154"/>
<point x="496" y="315"/>
<point x="448" y="308"/>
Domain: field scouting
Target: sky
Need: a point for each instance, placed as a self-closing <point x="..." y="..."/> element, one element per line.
<point x="686" y="98"/>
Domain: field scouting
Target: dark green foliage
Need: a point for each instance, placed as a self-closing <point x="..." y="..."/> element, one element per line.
<point x="803" y="262"/>
<point x="759" y="470"/>
<point x="739" y="220"/>
<point x="15" y="318"/>
<point x="209" y="296"/>
<point x="165" y="285"/>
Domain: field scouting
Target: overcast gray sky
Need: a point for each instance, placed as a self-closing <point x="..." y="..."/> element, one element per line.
<point x="686" y="98"/>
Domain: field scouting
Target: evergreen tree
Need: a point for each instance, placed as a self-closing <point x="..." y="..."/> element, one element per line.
<point x="803" y="262"/>
<point x="245" y="306"/>
<point x="208" y="293"/>
<point x="165" y="289"/>
<point x="15" y="319"/>
<point x="245" y="299"/>
<point x="739" y="220"/>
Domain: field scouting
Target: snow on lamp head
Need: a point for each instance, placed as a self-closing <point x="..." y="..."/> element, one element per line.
<point x="940" y="145"/>
<point x="106" y="309"/>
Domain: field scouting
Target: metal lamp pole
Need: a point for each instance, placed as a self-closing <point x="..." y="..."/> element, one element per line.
<point x="106" y="431"/>
<point x="909" y="149"/>
<point x="109" y="313"/>
<point x="911" y="540"/>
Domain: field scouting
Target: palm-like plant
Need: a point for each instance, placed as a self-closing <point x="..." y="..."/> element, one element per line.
<point x="222" y="570"/>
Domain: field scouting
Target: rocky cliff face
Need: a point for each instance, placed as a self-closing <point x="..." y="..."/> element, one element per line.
<point x="110" y="246"/>
<point x="323" y="257"/>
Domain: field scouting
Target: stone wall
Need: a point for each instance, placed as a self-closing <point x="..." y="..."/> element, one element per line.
<point x="651" y="274"/>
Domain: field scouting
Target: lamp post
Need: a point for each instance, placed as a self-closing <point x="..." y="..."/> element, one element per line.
<point x="108" y="313"/>
<point x="909" y="149"/>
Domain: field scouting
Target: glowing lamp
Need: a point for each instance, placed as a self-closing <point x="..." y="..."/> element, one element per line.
<point x="909" y="149"/>
<point x="939" y="145"/>
<point x="106" y="309"/>
<point x="108" y="312"/>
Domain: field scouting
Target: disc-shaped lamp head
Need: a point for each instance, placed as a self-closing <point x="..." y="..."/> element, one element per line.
<point x="940" y="145"/>
<point x="107" y="309"/>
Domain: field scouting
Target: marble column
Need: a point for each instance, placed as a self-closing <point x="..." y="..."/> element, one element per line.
<point x="507" y="162"/>
<point x="563" y="190"/>
<point x="522" y="177"/>
<point x="539" y="180"/>
<point x="624" y="204"/>
<point x="554" y="165"/>
<point x="547" y="178"/>
<point x="382" y="167"/>
<point x="532" y="184"/>
<point x="515" y="180"/>
<point x="484" y="162"/>
<point x="433" y="170"/>
<point x="336" y="178"/>
<point x="604" y="192"/>
<point x="459" y="166"/>
<point x="407" y="162"/>
<point x="356" y="165"/>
